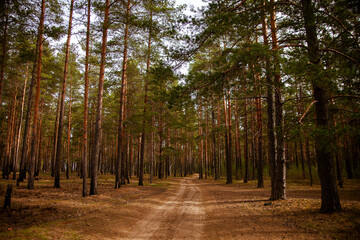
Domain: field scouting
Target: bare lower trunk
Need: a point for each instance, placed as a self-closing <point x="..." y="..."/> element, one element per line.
<point x="68" y="137"/>
<point x="330" y="201"/>
<point x="143" y="133"/>
<point x="86" y="97"/>
<point x="279" y="120"/>
<point x="200" y="141"/>
<point x="227" y="111"/>
<point x="98" y="121"/>
<point x="246" y="147"/>
<point x="59" y="147"/>
<point x="307" y="146"/>
<point x="37" y="99"/>
<point x="17" y="147"/>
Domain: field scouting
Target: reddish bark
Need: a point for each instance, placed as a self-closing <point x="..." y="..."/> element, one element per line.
<point x="143" y="133"/>
<point x="59" y="147"/>
<point x="86" y="104"/>
<point x="37" y="99"/>
<point x="98" y="120"/>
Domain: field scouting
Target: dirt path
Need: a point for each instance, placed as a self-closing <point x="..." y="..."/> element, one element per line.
<point x="199" y="209"/>
<point x="180" y="216"/>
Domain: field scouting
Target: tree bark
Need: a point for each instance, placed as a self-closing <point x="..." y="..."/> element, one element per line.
<point x="271" y="133"/>
<point x="260" y="172"/>
<point x="39" y="139"/>
<point x="330" y="201"/>
<point x="37" y="99"/>
<point x="98" y="121"/>
<point x="59" y="147"/>
<point x="68" y="136"/>
<point x="9" y="136"/>
<point x="143" y="133"/>
<point x="215" y="159"/>
<point x="4" y="50"/>
<point x="300" y="112"/>
<point x="227" y="109"/>
<point x="237" y="142"/>
<point x="86" y="103"/>
<point x="200" y="162"/>
<point x="17" y="147"/>
<point x="279" y="120"/>
<point x="53" y="159"/>
<point x="254" y="143"/>
<point x="246" y="147"/>
<point x="160" y="165"/>
<point x="307" y="146"/>
<point x="122" y="113"/>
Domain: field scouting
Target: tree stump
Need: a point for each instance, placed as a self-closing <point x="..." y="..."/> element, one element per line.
<point x="7" y="201"/>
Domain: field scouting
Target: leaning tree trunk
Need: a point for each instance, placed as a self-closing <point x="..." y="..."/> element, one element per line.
<point x="37" y="99"/>
<point x="330" y="201"/>
<point x="59" y="147"/>
<point x="53" y="159"/>
<point x="98" y="121"/>
<point x="24" y="158"/>
<point x="8" y="143"/>
<point x="17" y="146"/>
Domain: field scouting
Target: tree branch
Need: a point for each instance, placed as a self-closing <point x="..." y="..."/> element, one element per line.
<point x="306" y="112"/>
<point x="340" y="53"/>
<point x="344" y="96"/>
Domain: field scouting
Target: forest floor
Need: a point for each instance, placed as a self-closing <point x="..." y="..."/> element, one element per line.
<point x="175" y="208"/>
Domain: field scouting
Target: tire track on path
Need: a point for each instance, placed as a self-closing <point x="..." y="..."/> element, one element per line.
<point x="180" y="216"/>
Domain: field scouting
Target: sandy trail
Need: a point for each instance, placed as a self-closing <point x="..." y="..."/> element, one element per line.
<point x="180" y="216"/>
<point x="206" y="210"/>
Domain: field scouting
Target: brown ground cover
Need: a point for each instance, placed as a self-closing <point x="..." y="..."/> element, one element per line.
<point x="175" y="208"/>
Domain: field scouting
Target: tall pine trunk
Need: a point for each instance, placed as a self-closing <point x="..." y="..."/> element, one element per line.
<point x="120" y="166"/>
<point x="271" y="133"/>
<point x="237" y="142"/>
<point x="214" y="154"/>
<point x="330" y="201"/>
<point x="280" y="189"/>
<point x="86" y="104"/>
<point x="200" y="162"/>
<point x="37" y="99"/>
<point x="246" y="143"/>
<point x="143" y="132"/>
<point x="17" y="146"/>
<point x="68" y="136"/>
<point x="98" y="121"/>
<point x="59" y="147"/>
<point x="9" y="136"/>
<point x="227" y="111"/>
